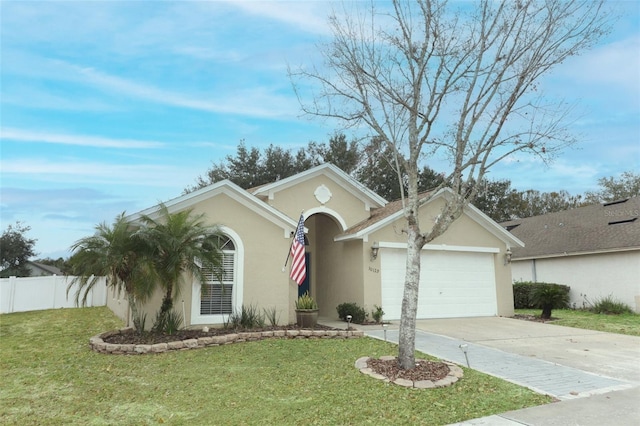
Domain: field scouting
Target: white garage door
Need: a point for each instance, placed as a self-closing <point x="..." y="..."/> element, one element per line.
<point x="452" y="284"/>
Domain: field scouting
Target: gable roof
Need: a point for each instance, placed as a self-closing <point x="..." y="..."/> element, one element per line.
<point x="253" y="198"/>
<point x="43" y="269"/>
<point x="394" y="210"/>
<point x="367" y="196"/>
<point x="233" y="191"/>
<point x="589" y="229"/>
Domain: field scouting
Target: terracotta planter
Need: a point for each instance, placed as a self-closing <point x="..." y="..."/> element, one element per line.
<point x="307" y="318"/>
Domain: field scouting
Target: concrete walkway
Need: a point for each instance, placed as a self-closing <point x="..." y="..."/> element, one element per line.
<point x="596" y="376"/>
<point x="540" y="376"/>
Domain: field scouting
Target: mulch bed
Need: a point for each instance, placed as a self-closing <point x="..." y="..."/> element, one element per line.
<point x="424" y="370"/>
<point x="534" y="318"/>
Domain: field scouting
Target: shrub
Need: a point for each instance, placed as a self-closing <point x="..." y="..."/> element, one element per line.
<point x="377" y="314"/>
<point x="168" y="323"/>
<point x="272" y="315"/>
<point x="610" y="306"/>
<point x="139" y="320"/>
<point x="548" y="296"/>
<point x="358" y="314"/>
<point x="249" y="317"/>
<point x="522" y="295"/>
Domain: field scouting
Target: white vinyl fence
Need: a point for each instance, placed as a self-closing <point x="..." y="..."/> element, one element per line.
<point x="38" y="293"/>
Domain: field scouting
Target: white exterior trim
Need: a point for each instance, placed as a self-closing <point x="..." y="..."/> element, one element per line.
<point x="490" y="225"/>
<point x="325" y="210"/>
<point x="238" y="287"/>
<point x="233" y="191"/>
<point x="364" y="233"/>
<point x="575" y="253"/>
<point x="470" y="211"/>
<point x="442" y="247"/>
<point x="368" y="197"/>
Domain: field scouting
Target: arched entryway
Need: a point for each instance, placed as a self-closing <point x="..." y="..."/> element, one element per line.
<point x="334" y="274"/>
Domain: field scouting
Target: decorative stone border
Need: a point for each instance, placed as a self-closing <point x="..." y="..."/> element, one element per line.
<point x="97" y="343"/>
<point x="455" y="373"/>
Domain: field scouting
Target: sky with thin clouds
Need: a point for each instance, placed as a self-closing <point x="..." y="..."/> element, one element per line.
<point x="111" y="106"/>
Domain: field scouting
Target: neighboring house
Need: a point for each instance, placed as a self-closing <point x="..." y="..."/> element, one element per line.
<point x="356" y="252"/>
<point x="41" y="270"/>
<point x="593" y="249"/>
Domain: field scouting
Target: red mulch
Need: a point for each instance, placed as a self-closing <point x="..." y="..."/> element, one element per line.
<point x="424" y="370"/>
<point x="149" y="338"/>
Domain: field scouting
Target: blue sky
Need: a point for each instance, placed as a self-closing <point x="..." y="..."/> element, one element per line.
<point x="113" y="106"/>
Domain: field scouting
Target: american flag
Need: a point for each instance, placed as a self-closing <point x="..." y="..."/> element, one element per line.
<point x="298" y="266"/>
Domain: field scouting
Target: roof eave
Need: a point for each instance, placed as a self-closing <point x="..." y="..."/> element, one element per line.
<point x="473" y="212"/>
<point x="222" y="187"/>
<point x="370" y="198"/>
<point x="493" y="227"/>
<point x="576" y="253"/>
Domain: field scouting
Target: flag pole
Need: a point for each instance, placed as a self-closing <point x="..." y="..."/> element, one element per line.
<point x="286" y="260"/>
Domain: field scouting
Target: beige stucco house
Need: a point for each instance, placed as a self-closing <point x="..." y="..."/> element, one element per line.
<point x="356" y="252"/>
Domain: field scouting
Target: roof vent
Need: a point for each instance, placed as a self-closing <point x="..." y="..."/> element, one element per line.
<point x="510" y="227"/>
<point x="623" y="221"/>
<point x="624" y="200"/>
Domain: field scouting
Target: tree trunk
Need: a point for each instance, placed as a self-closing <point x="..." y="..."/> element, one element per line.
<point x="165" y="309"/>
<point x="135" y="315"/>
<point x="546" y="312"/>
<point x="167" y="304"/>
<point x="407" y="337"/>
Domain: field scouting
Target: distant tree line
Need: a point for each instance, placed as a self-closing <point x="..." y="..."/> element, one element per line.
<point x="373" y="165"/>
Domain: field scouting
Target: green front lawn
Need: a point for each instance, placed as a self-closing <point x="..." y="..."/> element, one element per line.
<point x="622" y="324"/>
<point x="49" y="376"/>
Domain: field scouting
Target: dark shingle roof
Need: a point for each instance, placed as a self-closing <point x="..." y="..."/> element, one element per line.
<point x="53" y="270"/>
<point x="593" y="228"/>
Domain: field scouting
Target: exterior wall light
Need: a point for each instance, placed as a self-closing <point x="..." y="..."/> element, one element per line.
<point x="374" y="250"/>
<point x="507" y="256"/>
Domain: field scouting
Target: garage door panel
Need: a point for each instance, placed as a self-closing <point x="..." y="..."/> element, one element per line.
<point x="452" y="284"/>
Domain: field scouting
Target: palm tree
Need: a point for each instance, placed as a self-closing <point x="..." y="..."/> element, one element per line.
<point x="115" y="253"/>
<point x="549" y="296"/>
<point x="180" y="243"/>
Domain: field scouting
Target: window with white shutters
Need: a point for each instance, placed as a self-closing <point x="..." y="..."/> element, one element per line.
<point x="216" y="296"/>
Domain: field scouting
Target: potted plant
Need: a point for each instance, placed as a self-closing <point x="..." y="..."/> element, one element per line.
<point x="306" y="311"/>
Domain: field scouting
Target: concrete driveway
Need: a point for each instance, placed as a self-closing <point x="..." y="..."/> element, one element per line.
<point x="612" y="355"/>
<point x="595" y="375"/>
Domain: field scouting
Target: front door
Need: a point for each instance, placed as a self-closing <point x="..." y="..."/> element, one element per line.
<point x="304" y="287"/>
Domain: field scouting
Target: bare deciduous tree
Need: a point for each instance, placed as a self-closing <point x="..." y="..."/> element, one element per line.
<point x="429" y="78"/>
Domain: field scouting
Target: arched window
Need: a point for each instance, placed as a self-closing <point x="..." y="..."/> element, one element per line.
<point x="216" y="297"/>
